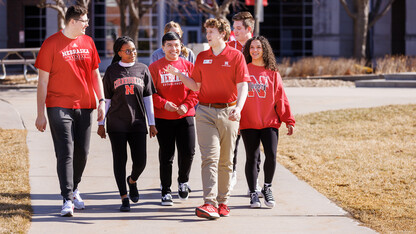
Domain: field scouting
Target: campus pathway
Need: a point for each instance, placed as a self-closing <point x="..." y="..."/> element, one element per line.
<point x="299" y="208"/>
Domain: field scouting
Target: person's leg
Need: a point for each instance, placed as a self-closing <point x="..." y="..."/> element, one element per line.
<point x="119" y="148"/>
<point x="251" y="138"/>
<point x="137" y="142"/>
<point x="228" y="131"/>
<point x="166" y="138"/>
<point x="60" y="123"/>
<point x="269" y="139"/>
<point x="237" y="141"/>
<point x="82" y="134"/>
<point x="209" y="142"/>
<point x="185" y="142"/>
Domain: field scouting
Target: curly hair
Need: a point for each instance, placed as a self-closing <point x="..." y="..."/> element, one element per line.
<point x="268" y="57"/>
<point x="117" y="47"/>
<point x="221" y="24"/>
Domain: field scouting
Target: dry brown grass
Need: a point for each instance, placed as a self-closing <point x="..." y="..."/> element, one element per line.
<point x="395" y="64"/>
<point x="15" y="206"/>
<point x="363" y="159"/>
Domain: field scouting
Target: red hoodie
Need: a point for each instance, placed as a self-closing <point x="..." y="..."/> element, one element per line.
<point x="266" y="105"/>
<point x="170" y="88"/>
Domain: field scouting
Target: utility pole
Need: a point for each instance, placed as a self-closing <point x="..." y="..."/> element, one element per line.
<point x="258" y="16"/>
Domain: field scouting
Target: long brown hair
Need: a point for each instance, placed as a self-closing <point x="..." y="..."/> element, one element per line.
<point x="268" y="57"/>
<point x="171" y="24"/>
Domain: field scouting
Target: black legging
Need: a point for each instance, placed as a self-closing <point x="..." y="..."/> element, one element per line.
<point x="137" y="143"/>
<point x="269" y="137"/>
<point x="181" y="132"/>
<point x="237" y="141"/>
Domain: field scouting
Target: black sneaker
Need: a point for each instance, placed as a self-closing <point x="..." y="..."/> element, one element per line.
<point x="268" y="196"/>
<point x="133" y="193"/>
<point x="254" y="200"/>
<point x="125" y="205"/>
<point x="167" y="200"/>
<point x="183" y="191"/>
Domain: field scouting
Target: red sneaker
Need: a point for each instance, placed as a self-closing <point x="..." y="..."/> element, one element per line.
<point x="223" y="210"/>
<point x="207" y="211"/>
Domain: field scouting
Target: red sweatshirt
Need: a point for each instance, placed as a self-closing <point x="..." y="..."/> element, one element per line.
<point x="170" y="88"/>
<point x="266" y="105"/>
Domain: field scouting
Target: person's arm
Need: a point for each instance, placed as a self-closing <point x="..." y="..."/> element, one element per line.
<point x="187" y="81"/>
<point x="148" y="105"/>
<point x="99" y="92"/>
<point x="101" y="128"/>
<point x="242" y="91"/>
<point x="42" y="91"/>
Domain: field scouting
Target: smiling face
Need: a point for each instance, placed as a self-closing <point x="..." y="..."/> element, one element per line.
<point x="241" y="33"/>
<point x="256" y="51"/>
<point x="128" y="52"/>
<point x="172" y="49"/>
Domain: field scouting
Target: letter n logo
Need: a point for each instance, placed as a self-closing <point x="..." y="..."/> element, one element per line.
<point x="129" y="89"/>
<point x="257" y="86"/>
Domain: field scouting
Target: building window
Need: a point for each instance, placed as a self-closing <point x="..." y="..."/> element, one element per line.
<point x="288" y="26"/>
<point x="35" y="26"/>
<point x="190" y="20"/>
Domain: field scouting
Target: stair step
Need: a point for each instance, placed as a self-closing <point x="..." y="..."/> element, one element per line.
<point x="400" y="76"/>
<point x="381" y="83"/>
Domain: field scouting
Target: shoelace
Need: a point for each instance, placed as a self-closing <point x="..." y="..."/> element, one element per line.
<point x="167" y="197"/>
<point x="254" y="197"/>
<point x="185" y="187"/>
<point x="268" y="194"/>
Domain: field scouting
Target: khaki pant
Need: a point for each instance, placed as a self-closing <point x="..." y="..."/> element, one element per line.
<point x="216" y="139"/>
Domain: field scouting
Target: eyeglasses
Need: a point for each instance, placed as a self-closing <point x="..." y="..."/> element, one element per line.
<point x="129" y="52"/>
<point x="84" y="21"/>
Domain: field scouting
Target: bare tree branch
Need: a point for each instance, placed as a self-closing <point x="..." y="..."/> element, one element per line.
<point x="383" y="12"/>
<point x="347" y="9"/>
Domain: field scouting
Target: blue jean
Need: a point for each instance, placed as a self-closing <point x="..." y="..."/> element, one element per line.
<point x="71" y="132"/>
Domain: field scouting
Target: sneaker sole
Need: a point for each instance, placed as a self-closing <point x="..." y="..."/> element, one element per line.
<point x="167" y="203"/>
<point x="203" y="214"/>
<point x="69" y="214"/>
<point x="269" y="204"/>
<point x="183" y="198"/>
<point x="225" y="215"/>
<point x="255" y="205"/>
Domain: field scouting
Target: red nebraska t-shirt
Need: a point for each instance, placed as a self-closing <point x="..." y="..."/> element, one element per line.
<point x="170" y="88"/>
<point x="70" y="63"/>
<point x="219" y="75"/>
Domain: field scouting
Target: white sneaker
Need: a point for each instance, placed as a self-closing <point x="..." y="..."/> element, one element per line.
<point x="233" y="181"/>
<point x="67" y="208"/>
<point x="78" y="202"/>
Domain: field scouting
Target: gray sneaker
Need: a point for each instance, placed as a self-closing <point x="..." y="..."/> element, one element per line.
<point x="254" y="200"/>
<point x="268" y="197"/>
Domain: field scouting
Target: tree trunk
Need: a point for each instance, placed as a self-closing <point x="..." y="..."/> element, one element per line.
<point x="361" y="28"/>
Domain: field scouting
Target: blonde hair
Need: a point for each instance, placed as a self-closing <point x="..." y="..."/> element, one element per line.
<point x="221" y="24"/>
<point x="167" y="29"/>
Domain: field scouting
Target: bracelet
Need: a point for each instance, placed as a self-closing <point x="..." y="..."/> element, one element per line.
<point x="101" y="100"/>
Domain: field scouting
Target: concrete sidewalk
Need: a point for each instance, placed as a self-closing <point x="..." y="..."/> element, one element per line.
<point x="299" y="208"/>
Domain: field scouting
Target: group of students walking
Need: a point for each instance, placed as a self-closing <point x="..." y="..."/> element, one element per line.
<point x="236" y="87"/>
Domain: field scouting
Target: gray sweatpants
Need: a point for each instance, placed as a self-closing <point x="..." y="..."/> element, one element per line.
<point x="71" y="131"/>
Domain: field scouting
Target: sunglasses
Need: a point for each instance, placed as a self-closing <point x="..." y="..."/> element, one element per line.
<point x="129" y="52"/>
